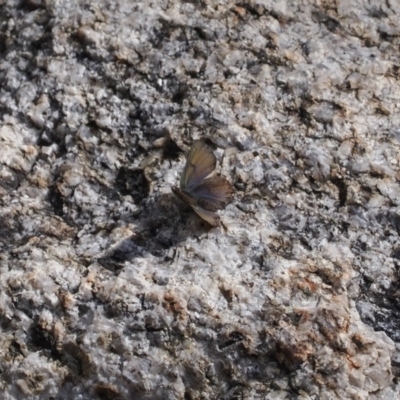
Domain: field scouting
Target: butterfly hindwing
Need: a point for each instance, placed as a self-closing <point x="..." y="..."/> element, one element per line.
<point x="209" y="216"/>
<point x="184" y="196"/>
<point x="213" y="193"/>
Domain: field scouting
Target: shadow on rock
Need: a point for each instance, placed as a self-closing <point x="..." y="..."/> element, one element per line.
<point x="162" y="224"/>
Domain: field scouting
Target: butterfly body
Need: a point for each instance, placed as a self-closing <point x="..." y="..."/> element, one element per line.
<point x="204" y="195"/>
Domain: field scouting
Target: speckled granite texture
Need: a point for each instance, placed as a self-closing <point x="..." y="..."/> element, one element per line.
<point x="111" y="288"/>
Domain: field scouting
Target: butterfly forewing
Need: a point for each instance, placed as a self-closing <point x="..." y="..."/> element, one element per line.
<point x="200" y="162"/>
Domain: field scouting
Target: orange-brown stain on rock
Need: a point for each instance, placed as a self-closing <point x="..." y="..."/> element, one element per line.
<point x="173" y="304"/>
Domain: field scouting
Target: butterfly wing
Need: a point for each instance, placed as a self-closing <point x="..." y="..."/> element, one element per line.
<point x="184" y="196"/>
<point x="208" y="216"/>
<point x="205" y="196"/>
<point x="200" y="162"/>
<point x="212" y="194"/>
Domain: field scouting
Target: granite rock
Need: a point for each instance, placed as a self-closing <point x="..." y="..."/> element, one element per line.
<point x="110" y="288"/>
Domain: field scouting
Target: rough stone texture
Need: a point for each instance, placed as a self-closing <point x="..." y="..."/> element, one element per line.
<point x="110" y="288"/>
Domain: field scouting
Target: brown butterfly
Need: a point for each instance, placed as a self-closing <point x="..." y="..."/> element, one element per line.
<point x="205" y="196"/>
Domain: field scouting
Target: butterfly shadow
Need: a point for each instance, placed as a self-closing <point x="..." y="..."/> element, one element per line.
<point x="164" y="222"/>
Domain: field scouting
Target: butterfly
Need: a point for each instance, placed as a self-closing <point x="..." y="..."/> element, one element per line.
<point x="205" y="196"/>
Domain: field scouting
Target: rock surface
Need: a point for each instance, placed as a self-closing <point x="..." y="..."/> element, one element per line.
<point x="110" y="288"/>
